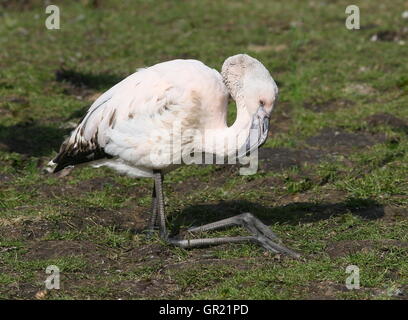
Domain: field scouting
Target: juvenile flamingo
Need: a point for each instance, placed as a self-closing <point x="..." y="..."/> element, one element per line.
<point x="131" y="129"/>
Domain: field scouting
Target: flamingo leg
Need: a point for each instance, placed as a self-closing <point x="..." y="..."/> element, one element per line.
<point x="161" y="217"/>
<point x="153" y="220"/>
<point x="261" y="233"/>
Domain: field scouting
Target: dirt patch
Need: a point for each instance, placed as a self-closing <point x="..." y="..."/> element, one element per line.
<point x="359" y="88"/>
<point x="329" y="290"/>
<point x="282" y="158"/>
<point x="241" y="264"/>
<point x="4" y="177"/>
<point x="54" y="249"/>
<point x="132" y="219"/>
<point x="291" y="198"/>
<point x="149" y="254"/>
<point x="368" y="26"/>
<point x="152" y="288"/>
<point x="336" y="140"/>
<point x="27" y="228"/>
<point x="15" y="99"/>
<point x="347" y="247"/>
<point x="326" y="290"/>
<point x="66" y="189"/>
<point x="216" y="179"/>
<point x="329" y="105"/>
<point x="13" y="106"/>
<point x="393" y="214"/>
<point x="188" y="185"/>
<point x="223" y="173"/>
<point x="390" y="35"/>
<point x="280" y="119"/>
<point x="23" y="290"/>
<point x="270" y="183"/>
<point x="333" y="196"/>
<point x="389" y="120"/>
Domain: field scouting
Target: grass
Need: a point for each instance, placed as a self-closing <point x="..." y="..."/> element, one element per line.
<point x="339" y="196"/>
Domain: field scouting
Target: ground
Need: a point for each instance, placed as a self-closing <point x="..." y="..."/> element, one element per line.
<point x="332" y="180"/>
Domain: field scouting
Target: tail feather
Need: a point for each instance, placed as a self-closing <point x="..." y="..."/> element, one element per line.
<point x="69" y="159"/>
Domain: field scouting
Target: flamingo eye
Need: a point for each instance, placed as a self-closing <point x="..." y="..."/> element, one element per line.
<point x="261" y="103"/>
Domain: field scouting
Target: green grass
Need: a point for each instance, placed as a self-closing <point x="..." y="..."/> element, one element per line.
<point x="350" y="208"/>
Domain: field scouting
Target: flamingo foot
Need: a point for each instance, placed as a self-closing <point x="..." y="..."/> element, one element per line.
<point x="261" y="234"/>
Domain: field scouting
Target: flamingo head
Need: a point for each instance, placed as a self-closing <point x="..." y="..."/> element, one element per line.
<point x="253" y="88"/>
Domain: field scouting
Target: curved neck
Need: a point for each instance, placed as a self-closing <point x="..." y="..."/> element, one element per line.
<point x="225" y="141"/>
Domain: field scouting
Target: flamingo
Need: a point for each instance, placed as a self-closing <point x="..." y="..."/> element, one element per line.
<point x="136" y="119"/>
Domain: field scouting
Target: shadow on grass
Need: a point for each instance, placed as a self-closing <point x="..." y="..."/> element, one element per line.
<point x="38" y="140"/>
<point x="83" y="83"/>
<point x="293" y="214"/>
<point x="100" y="81"/>
<point x="31" y="139"/>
